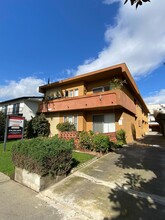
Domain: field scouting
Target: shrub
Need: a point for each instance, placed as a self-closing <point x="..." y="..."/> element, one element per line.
<point x="121" y="137"/>
<point x="37" y="127"/>
<point x="101" y="143"/>
<point x="41" y="126"/>
<point x="97" y="142"/>
<point x="86" y="140"/>
<point x="43" y="155"/>
<point x="2" y="125"/>
<point x="66" y="126"/>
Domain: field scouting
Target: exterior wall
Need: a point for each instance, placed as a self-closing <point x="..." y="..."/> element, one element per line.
<point x="53" y="119"/>
<point x="52" y="93"/>
<point x="29" y="110"/>
<point x="96" y="84"/>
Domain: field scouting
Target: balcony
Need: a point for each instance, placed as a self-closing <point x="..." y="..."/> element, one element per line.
<point x="104" y="100"/>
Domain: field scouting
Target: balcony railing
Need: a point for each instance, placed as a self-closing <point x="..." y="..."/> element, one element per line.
<point x="102" y="100"/>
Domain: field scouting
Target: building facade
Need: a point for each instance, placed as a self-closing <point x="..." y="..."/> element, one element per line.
<point x="23" y="106"/>
<point x="103" y="101"/>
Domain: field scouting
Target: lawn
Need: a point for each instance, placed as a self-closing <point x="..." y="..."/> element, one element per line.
<point x="6" y="165"/>
<point x="80" y="158"/>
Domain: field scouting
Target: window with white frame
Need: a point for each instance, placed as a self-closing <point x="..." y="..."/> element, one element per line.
<point x="70" y="93"/>
<point x="104" y="123"/>
<point x="76" y="92"/>
<point x="73" y="119"/>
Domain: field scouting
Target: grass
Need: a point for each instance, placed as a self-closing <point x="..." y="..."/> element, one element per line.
<point x="7" y="167"/>
<point x="79" y="158"/>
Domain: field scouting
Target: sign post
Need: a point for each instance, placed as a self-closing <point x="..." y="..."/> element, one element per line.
<point x="14" y="128"/>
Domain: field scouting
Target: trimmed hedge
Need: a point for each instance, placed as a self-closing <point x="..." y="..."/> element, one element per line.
<point x="43" y="155"/>
<point x="94" y="142"/>
<point x="66" y="126"/>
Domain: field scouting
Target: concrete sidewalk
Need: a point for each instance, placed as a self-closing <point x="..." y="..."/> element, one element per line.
<point x="17" y="202"/>
<point x="126" y="184"/>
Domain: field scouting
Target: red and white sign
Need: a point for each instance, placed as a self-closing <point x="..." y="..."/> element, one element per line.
<point x="15" y="127"/>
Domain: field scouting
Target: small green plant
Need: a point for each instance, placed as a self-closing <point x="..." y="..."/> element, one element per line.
<point x="117" y="83"/>
<point x="43" y="155"/>
<point x="121" y="137"/>
<point x="101" y="143"/>
<point x="66" y="126"/>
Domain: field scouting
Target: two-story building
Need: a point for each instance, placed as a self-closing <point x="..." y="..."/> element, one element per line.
<point x="103" y="101"/>
<point x="23" y="106"/>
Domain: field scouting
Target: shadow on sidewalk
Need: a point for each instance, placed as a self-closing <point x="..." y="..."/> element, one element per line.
<point x="138" y="198"/>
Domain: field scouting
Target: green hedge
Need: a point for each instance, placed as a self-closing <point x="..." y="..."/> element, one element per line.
<point x="121" y="137"/>
<point x="66" y="126"/>
<point x="94" y="142"/>
<point x="43" y="155"/>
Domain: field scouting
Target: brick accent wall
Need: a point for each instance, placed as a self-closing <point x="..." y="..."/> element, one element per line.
<point x="112" y="136"/>
<point x="67" y="135"/>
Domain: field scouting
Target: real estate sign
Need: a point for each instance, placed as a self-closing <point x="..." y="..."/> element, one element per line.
<point x="15" y="127"/>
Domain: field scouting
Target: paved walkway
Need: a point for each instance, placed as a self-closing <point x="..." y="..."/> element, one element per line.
<point x="128" y="184"/>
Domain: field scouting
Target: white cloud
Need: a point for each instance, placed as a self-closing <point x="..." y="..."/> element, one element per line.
<point x="157" y="98"/>
<point x="25" y="87"/>
<point x="137" y="39"/>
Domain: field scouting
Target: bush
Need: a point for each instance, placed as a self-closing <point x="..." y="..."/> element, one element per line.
<point x="86" y="140"/>
<point x="121" y="137"/>
<point x="43" y="155"/>
<point x="97" y="142"/>
<point x="66" y="126"/>
<point x="2" y="125"/>
<point x="101" y="143"/>
<point x="37" y="127"/>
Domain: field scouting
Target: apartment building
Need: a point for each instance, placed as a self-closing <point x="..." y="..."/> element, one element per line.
<point x="103" y="101"/>
<point x="22" y="106"/>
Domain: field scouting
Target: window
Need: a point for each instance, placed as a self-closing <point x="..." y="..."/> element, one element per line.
<point x="76" y="92"/>
<point x="4" y="109"/>
<point x="104" y="123"/>
<point x="16" y="108"/>
<point x="101" y="89"/>
<point x="66" y="93"/>
<point x="70" y="93"/>
<point x="98" y="89"/>
<point x="73" y="119"/>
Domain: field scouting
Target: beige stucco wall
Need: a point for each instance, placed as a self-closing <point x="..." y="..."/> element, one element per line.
<point x="53" y="119"/>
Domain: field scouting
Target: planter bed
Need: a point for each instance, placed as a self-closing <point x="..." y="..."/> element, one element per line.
<point x="35" y="181"/>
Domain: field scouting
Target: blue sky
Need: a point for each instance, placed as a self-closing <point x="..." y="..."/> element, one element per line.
<point x="56" y="39"/>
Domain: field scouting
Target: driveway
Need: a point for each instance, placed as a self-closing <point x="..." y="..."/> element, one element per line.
<point x="126" y="184"/>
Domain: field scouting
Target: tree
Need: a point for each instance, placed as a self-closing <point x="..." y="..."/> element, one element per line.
<point x="37" y="126"/>
<point x="2" y="125"/>
<point x="160" y="118"/>
<point x="137" y="2"/>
